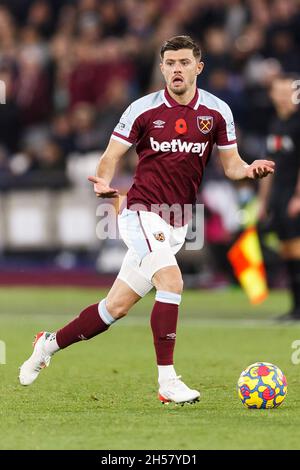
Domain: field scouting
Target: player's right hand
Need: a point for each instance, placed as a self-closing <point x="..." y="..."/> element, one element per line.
<point x="101" y="188"/>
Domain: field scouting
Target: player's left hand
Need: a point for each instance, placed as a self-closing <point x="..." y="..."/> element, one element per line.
<point x="102" y="188"/>
<point x="293" y="208"/>
<point x="260" y="169"/>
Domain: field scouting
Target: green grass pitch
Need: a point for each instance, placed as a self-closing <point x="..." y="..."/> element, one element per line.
<point x="102" y="394"/>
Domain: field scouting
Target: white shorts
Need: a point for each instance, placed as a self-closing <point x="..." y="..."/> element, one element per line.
<point x="152" y="244"/>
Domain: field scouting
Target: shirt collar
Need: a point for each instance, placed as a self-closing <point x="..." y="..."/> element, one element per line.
<point x="171" y="103"/>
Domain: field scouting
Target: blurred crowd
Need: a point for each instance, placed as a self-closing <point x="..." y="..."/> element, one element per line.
<point x="71" y="67"/>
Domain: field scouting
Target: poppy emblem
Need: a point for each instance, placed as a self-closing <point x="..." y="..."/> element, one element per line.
<point x="181" y="126"/>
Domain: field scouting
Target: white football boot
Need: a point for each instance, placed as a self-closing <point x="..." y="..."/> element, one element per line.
<point x="174" y="390"/>
<point x="38" y="360"/>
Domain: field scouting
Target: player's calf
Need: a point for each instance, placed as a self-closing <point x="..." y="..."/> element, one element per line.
<point x="168" y="282"/>
<point x="116" y="309"/>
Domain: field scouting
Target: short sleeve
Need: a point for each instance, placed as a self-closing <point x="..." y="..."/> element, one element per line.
<point x="226" y="136"/>
<point x="128" y="128"/>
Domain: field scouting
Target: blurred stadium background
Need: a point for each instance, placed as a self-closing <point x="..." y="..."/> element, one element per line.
<point x="70" y="69"/>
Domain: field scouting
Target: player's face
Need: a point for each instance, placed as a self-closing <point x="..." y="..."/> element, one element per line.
<point x="180" y="70"/>
<point x="282" y="92"/>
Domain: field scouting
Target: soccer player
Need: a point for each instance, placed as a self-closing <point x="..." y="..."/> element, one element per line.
<point x="280" y="194"/>
<point x="174" y="130"/>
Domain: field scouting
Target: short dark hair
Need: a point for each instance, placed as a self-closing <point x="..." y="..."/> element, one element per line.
<point x="181" y="42"/>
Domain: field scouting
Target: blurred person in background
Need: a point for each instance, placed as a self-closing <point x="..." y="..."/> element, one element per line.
<point x="8" y="36"/>
<point x="10" y="119"/>
<point x="279" y="195"/>
<point x="116" y="99"/>
<point x="33" y="85"/>
<point x="40" y="16"/>
<point x="85" y="134"/>
<point x="62" y="132"/>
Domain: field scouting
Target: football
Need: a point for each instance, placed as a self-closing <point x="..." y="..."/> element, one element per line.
<point x="262" y="385"/>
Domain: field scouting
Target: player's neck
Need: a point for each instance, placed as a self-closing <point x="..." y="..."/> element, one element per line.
<point x="185" y="98"/>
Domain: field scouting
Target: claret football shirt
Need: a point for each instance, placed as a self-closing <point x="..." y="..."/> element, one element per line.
<point x="174" y="143"/>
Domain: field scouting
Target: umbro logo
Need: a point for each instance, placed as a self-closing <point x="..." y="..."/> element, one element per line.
<point x="82" y="337"/>
<point x="159" y="124"/>
<point x="171" y="336"/>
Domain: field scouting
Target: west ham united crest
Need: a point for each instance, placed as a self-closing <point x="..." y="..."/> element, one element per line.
<point x="205" y="124"/>
<point x="160" y="236"/>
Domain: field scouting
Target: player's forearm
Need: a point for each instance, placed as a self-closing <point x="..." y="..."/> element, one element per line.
<point x="107" y="164"/>
<point x="106" y="168"/>
<point x="237" y="171"/>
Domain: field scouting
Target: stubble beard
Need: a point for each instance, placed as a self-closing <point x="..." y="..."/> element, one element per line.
<point x="179" y="91"/>
<point x="183" y="90"/>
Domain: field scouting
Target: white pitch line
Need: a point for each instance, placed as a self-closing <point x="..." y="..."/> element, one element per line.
<point x="144" y="321"/>
<point x="230" y="323"/>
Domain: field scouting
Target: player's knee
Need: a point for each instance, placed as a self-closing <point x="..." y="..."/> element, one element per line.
<point x="116" y="308"/>
<point x="169" y="280"/>
<point x="175" y="285"/>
